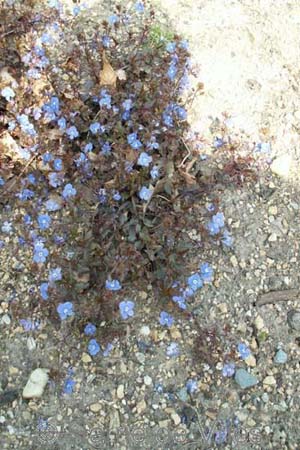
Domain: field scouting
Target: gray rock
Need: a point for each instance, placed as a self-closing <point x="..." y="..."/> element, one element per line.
<point x="245" y="379"/>
<point x="36" y="384"/>
<point x="183" y="394"/>
<point x="280" y="357"/>
<point x="293" y="319"/>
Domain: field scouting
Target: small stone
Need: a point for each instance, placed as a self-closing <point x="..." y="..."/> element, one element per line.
<point x="86" y="358"/>
<point x="250" y="361"/>
<point x="141" y="406"/>
<point x="245" y="379"/>
<point x="13" y="370"/>
<point x="2" y="419"/>
<point x="147" y="380"/>
<point x="36" y="384"/>
<point x="176" y="419"/>
<point x="95" y="407"/>
<point x="273" y="210"/>
<point x="223" y="308"/>
<point x="281" y="165"/>
<point x="163" y="423"/>
<point x="293" y="319"/>
<point x="140" y="357"/>
<point x="175" y="333"/>
<point x="183" y="394"/>
<point x="259" y="323"/>
<point x="272" y="237"/>
<point x="145" y="330"/>
<point x="270" y="381"/>
<point x="114" y="420"/>
<point x="280" y="357"/>
<point x="5" y="320"/>
<point x="31" y="344"/>
<point x="234" y="261"/>
<point x="120" y="391"/>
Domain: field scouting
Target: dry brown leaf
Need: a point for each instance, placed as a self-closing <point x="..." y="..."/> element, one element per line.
<point x="6" y="78"/>
<point x="9" y="147"/>
<point x="108" y="76"/>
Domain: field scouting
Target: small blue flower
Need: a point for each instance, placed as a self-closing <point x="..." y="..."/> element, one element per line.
<point x="27" y="219"/>
<point x="173" y="350"/>
<point x="172" y="71"/>
<point x="218" y="219"/>
<point x="227" y="239"/>
<point x="47" y="39"/>
<point x="117" y="196"/>
<point x="106" y="148"/>
<point x="206" y="272"/>
<point x="55" y="275"/>
<point x="55" y="179"/>
<point x="8" y="93"/>
<point x="93" y="347"/>
<point x="145" y="193"/>
<point x="29" y="325"/>
<point x="44" y="291"/>
<point x="44" y="221"/>
<point x="72" y="132"/>
<point x="127" y="104"/>
<point x="26" y="194"/>
<point x="113" y="19"/>
<point x="228" y="369"/>
<point x="210" y="207"/>
<point x="126" y="309"/>
<point x="144" y="159"/>
<point x="31" y="178"/>
<point x="47" y="157"/>
<point x="166" y="319"/>
<point x="90" y="329"/>
<point x="57" y="163"/>
<point x="139" y="7"/>
<point x="106" y="41"/>
<point x="113" y="285"/>
<point x="65" y="310"/>
<point x="52" y="205"/>
<point x="218" y="142"/>
<point x="68" y="191"/>
<point x="180" y="112"/>
<point x="243" y="350"/>
<point x="180" y="301"/>
<point x="62" y="123"/>
<point x="6" y="227"/>
<point x="171" y="47"/>
<point x="76" y="10"/>
<point x="191" y="386"/>
<point x="184" y="45"/>
<point x="95" y="127"/>
<point x="105" y="99"/>
<point x="133" y="141"/>
<point x="40" y="253"/>
<point x="195" y="282"/>
<point x="88" y="147"/>
<point x="69" y="386"/>
<point x="107" y="349"/>
<point x="154" y="172"/>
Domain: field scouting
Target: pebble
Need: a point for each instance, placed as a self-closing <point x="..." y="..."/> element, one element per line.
<point x="31" y="344"/>
<point x="272" y="237"/>
<point x="141" y="406"/>
<point x="234" y="261"/>
<point x="176" y="419"/>
<point x="245" y="379"/>
<point x="259" y="323"/>
<point x="120" y="391"/>
<point x="6" y="320"/>
<point x="36" y="383"/>
<point x="250" y="361"/>
<point x="147" y="380"/>
<point x="86" y="358"/>
<point x="273" y="210"/>
<point x="281" y="165"/>
<point x="280" y="357"/>
<point x="270" y="381"/>
<point x="95" y="407"/>
<point x="140" y="357"/>
<point x="293" y="319"/>
<point x="2" y="419"/>
<point x="183" y="394"/>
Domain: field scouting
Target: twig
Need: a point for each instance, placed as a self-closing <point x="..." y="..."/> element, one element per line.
<point x="278" y="296"/>
<point x="9" y="188"/>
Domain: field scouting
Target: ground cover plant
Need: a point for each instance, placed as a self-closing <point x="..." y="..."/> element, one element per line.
<point x="99" y="165"/>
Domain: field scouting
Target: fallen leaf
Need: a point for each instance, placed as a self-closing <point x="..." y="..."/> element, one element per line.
<point x="108" y="76"/>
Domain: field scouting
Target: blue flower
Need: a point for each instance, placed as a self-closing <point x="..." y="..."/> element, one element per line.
<point x="180" y="112"/>
<point x="180" y="301"/>
<point x="76" y="10"/>
<point x="113" y="285"/>
<point x="62" y="123"/>
<point x="173" y="350"/>
<point x="218" y="142"/>
<point x="133" y="141"/>
<point x="89" y="329"/>
<point x="68" y="191"/>
<point x="31" y="178"/>
<point x="106" y="41"/>
<point x="126" y="309"/>
<point x="191" y="386"/>
<point x="72" y="132"/>
<point x="210" y="207"/>
<point x="52" y="205"/>
<point x="106" y="148"/>
<point x="7" y="93"/>
<point x="29" y="325"/>
<point x="47" y="39"/>
<point x="228" y="369"/>
<point x="107" y="349"/>
<point x="55" y="179"/>
<point x="227" y="239"/>
<point x="57" y="163"/>
<point x="47" y="157"/>
<point x="195" y="282"/>
<point x="216" y="222"/>
<point x="55" y="275"/>
<point x="172" y="71"/>
<point x="263" y="147"/>
<point x="145" y="193"/>
<point x="44" y="221"/>
<point x="166" y="319"/>
<point x="26" y="194"/>
<point x="88" y="147"/>
<point x="184" y="45"/>
<point x="154" y="172"/>
<point x="40" y="253"/>
<point x="117" y="196"/>
<point x="144" y="159"/>
<point x="93" y="347"/>
<point x="243" y="350"/>
<point x="113" y="19"/>
<point x="105" y="99"/>
<point x="6" y="227"/>
<point x="171" y="47"/>
<point x="127" y="104"/>
<point x="44" y="291"/>
<point x="26" y="126"/>
<point x="69" y="386"/>
<point x="65" y="310"/>
<point x="139" y="7"/>
<point x="27" y="219"/>
<point x="206" y="272"/>
<point x="95" y="127"/>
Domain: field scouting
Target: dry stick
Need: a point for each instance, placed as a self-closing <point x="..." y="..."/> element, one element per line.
<point x="278" y="296"/>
